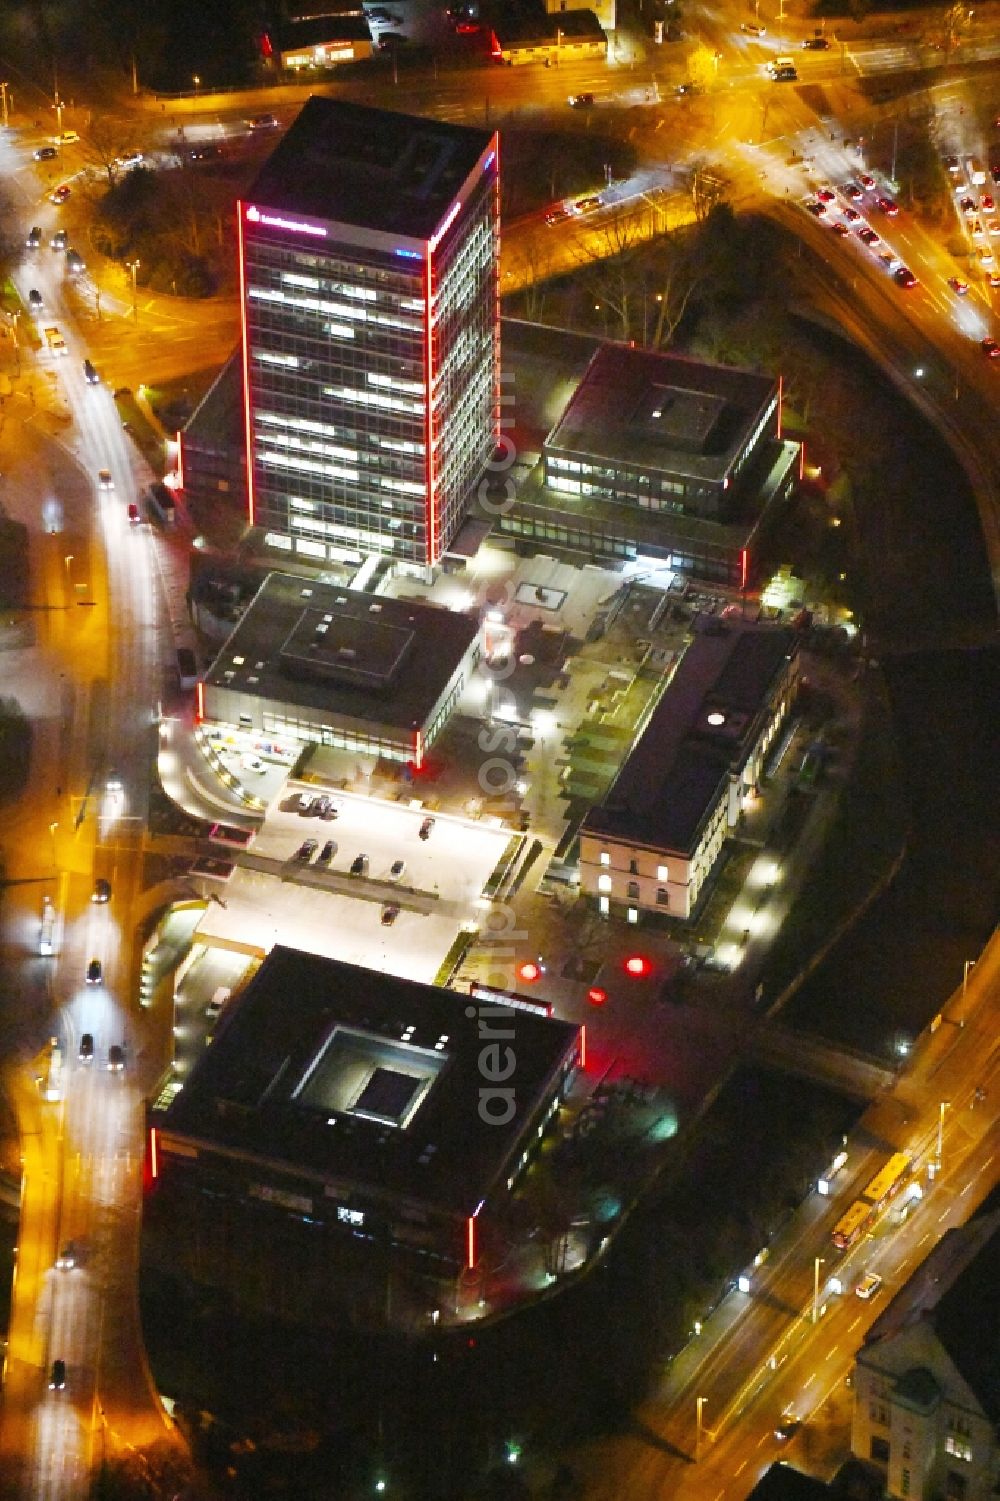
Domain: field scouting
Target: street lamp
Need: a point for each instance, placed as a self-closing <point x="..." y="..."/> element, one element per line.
<point x="133" y="266"/>
<point x="942" y="1107"/>
<point x="700" y="1404"/>
<point x="967" y="965"/>
<point x="817" y="1263"/>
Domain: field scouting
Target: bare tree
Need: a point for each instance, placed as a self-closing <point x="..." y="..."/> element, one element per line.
<point x="608" y="256"/>
<point x="679" y="271"/>
<point x="106" y="142"/>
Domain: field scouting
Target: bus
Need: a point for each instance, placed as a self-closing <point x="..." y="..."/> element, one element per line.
<point x="876" y="1195"/>
<point x="852" y="1224"/>
<point x="888" y="1181"/>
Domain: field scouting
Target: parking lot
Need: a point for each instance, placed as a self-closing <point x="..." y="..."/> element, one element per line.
<point x="323" y="909"/>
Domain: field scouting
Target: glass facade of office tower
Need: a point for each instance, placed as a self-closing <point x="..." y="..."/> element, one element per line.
<point x="372" y="380"/>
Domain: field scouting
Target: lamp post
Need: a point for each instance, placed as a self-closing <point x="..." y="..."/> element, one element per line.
<point x="817" y="1263"/>
<point x="699" y="1408"/>
<point x="52" y="836"/>
<point x="942" y="1107"/>
<point x="3" y="101"/>
<point x="133" y="266"/>
<point x="968" y="964"/>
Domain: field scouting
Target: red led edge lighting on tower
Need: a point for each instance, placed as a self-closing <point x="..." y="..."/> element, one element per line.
<point x="495" y="149"/>
<point x="251" y="506"/>
<point x="154" y="1161"/>
<point x="418" y="750"/>
<point x="781" y="392"/>
<point x="199" y="700"/>
<point x="470" y="1241"/>
<point x="430" y="512"/>
<point x="744" y="566"/>
<point x="180" y="461"/>
<point x="583" y="1047"/>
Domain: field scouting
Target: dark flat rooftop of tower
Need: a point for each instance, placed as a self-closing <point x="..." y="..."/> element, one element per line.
<point x="349" y="1074"/>
<point x="662" y="411"/>
<point x="329" y="647"/>
<point x="352" y="164"/>
<point x="671" y="780"/>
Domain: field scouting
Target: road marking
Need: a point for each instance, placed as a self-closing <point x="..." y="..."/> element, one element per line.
<point x="742" y="1467"/>
<point x="965" y="1190"/>
<point x="943" y="1217"/>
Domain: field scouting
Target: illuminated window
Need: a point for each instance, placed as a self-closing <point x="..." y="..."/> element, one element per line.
<point x="633" y="914"/>
<point x="604" y="883"/>
<point x="661" y="873"/>
<point x="605" y="858"/>
<point x="603" y="906"/>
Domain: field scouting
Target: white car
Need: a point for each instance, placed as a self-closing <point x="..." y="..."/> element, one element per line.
<point x="869" y="1285"/>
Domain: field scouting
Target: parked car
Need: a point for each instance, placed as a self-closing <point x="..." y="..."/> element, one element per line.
<point x="304" y="802"/>
<point x="307" y="849"/>
<point x="389" y="914"/>
<point x="425" y="828"/>
<point x="359" y="865"/>
<point x="396" y="870"/>
<point x="327" y="853"/>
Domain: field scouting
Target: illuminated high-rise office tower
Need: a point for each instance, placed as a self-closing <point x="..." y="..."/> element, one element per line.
<point x="371" y="348"/>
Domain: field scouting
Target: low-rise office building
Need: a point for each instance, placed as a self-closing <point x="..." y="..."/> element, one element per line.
<point x="662" y="459"/>
<point x="341" y="1111"/>
<point x="534" y="35"/>
<point x="319" y="663"/>
<point x="927" y="1378"/>
<point x="322" y="41"/>
<point x="655" y="840"/>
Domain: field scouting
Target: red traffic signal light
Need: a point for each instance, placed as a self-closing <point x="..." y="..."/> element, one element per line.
<point x="638" y="966"/>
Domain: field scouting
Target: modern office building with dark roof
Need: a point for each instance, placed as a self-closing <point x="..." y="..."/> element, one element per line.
<point x="927" y="1378"/>
<point x="369" y="293"/>
<point x="654" y="841"/>
<point x="663" y="459"/>
<point x="320" y="663"/>
<point x="361" y="1106"/>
